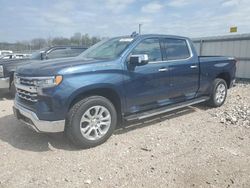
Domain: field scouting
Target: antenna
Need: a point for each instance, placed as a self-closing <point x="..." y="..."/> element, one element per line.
<point x="140" y="28"/>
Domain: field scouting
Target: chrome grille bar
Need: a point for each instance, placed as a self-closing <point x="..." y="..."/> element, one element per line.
<point x="26" y="93"/>
<point x="26" y="97"/>
<point x="26" y="88"/>
<point x="30" y="89"/>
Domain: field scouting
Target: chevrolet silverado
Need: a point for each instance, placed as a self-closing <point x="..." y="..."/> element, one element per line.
<point x="119" y="79"/>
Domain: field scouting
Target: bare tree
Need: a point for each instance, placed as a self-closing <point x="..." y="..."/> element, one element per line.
<point x="38" y="43"/>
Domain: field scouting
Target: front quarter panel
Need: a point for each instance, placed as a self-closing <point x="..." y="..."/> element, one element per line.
<point x="77" y="81"/>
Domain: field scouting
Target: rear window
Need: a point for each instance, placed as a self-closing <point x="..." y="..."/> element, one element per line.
<point x="64" y="52"/>
<point x="176" y="49"/>
<point x="57" y="53"/>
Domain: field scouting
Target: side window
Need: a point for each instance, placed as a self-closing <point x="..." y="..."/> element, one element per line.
<point x="64" y="52"/>
<point x="57" y="53"/>
<point x="176" y="49"/>
<point x="151" y="47"/>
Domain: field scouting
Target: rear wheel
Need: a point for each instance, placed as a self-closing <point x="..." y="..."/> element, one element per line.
<point x="219" y="93"/>
<point x="91" y="121"/>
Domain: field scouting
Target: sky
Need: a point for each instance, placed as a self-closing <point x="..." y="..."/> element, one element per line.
<point x="27" y="19"/>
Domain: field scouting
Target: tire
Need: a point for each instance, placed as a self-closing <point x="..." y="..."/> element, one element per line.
<point x="12" y="89"/>
<point x="219" y="93"/>
<point x="85" y="125"/>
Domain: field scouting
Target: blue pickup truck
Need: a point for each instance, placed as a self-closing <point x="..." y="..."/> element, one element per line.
<point x="123" y="78"/>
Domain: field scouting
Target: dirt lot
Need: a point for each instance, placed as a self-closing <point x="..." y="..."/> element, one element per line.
<point x="193" y="147"/>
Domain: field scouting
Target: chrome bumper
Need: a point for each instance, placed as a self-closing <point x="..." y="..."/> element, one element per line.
<point x="4" y="83"/>
<point x="31" y="120"/>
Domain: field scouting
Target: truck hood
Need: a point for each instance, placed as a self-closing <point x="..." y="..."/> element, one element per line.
<point x="61" y="66"/>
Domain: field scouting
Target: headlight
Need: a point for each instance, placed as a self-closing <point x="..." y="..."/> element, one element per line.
<point x="1" y="71"/>
<point x="44" y="82"/>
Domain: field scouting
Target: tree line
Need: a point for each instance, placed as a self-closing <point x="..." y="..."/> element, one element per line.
<point x="77" y="39"/>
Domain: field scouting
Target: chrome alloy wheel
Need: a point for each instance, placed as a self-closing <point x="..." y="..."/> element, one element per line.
<point x="95" y="122"/>
<point x="220" y="93"/>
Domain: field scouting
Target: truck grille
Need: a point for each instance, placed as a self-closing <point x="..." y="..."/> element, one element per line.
<point x="26" y="88"/>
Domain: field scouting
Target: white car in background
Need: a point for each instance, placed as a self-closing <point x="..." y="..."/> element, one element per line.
<point x="15" y="56"/>
<point x="5" y="52"/>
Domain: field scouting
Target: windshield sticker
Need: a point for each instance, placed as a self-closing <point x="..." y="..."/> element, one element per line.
<point x="126" y="40"/>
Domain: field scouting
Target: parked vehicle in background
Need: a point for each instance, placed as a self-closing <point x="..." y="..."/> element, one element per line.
<point x="5" y="52"/>
<point x="20" y="56"/>
<point x="8" y="66"/>
<point x="15" y="56"/>
<point x="9" y="56"/>
<point x="57" y="52"/>
<point x="123" y="78"/>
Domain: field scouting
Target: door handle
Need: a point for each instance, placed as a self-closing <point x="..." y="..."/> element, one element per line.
<point x="163" y="69"/>
<point x="193" y="66"/>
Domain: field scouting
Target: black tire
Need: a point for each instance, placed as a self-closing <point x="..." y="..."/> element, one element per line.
<point x="212" y="101"/>
<point x="12" y="89"/>
<point x="74" y="118"/>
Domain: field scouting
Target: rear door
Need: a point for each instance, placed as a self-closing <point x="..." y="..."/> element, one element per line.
<point x="183" y="69"/>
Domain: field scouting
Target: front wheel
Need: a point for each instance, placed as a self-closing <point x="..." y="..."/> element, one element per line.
<point x="91" y="121"/>
<point x="219" y="93"/>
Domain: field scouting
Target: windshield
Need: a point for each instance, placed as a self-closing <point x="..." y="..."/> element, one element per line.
<point x="37" y="54"/>
<point x="107" y="49"/>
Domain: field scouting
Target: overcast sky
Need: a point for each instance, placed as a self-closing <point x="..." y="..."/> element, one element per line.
<point x="27" y="19"/>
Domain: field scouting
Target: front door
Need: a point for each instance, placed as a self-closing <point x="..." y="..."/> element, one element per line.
<point x="146" y="85"/>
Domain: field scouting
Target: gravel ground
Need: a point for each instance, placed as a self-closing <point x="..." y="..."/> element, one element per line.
<point x="193" y="147"/>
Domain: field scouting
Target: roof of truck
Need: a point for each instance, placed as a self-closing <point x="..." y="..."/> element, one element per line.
<point x="162" y="35"/>
<point x="152" y="35"/>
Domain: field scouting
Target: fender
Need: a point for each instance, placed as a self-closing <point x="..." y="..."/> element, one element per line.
<point x="86" y="89"/>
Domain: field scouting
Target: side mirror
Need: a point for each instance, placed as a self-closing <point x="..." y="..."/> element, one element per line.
<point x="43" y="56"/>
<point x="138" y="60"/>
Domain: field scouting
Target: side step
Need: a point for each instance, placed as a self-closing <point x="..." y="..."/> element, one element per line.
<point x="165" y="109"/>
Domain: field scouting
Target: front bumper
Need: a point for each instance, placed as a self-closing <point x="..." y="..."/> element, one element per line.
<point x="4" y="83"/>
<point x="31" y="120"/>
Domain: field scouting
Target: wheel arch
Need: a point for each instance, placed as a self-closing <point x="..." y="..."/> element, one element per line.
<point x="106" y="91"/>
<point x="225" y="76"/>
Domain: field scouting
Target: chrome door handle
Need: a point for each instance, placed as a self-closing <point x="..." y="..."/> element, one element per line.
<point x="163" y="70"/>
<point x="193" y="66"/>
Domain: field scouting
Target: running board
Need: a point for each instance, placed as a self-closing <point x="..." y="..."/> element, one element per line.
<point x="165" y="109"/>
